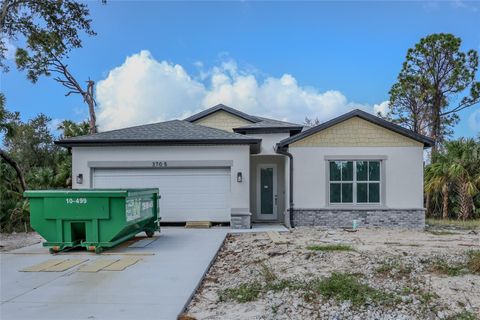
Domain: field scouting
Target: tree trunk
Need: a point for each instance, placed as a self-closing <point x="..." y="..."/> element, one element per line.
<point x="16" y="167"/>
<point x="445" y="195"/>
<point x="465" y="202"/>
<point x="427" y="205"/>
<point x="89" y="99"/>
<point x="436" y="126"/>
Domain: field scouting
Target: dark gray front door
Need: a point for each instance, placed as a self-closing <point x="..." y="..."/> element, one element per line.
<point x="267" y="193"/>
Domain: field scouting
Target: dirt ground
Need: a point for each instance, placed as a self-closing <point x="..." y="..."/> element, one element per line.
<point x="11" y="241"/>
<point x="417" y="275"/>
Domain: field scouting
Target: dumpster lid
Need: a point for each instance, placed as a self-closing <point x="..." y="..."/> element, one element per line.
<point x="87" y="192"/>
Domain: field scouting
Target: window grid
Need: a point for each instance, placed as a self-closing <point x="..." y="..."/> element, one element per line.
<point x="355" y="182"/>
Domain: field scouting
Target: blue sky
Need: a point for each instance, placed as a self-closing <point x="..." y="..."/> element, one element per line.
<point x="154" y="60"/>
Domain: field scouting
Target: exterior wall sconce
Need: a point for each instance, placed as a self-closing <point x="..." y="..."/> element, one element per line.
<point x="239" y="177"/>
<point x="79" y="178"/>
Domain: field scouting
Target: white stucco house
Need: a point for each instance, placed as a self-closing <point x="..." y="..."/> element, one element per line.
<point x="223" y="165"/>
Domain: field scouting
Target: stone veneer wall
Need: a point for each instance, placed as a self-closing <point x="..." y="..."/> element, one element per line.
<point x="341" y="218"/>
<point x="241" y="220"/>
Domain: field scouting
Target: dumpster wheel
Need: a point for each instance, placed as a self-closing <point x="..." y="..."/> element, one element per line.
<point x="149" y="233"/>
<point x="55" y="249"/>
<point x="95" y="249"/>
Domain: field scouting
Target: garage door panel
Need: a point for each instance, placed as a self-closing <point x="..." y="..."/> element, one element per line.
<point x="186" y="194"/>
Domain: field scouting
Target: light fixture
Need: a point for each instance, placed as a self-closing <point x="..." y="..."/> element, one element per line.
<point x="239" y="177"/>
<point x="80" y="178"/>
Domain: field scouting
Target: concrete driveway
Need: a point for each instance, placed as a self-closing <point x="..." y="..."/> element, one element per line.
<point x="157" y="287"/>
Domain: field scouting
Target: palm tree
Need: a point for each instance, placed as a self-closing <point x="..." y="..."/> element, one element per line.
<point x="457" y="169"/>
<point x="437" y="180"/>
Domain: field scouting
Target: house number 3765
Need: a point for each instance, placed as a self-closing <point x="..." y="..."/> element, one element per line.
<point x="159" y="164"/>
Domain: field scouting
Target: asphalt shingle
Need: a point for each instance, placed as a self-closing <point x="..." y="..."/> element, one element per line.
<point x="174" y="130"/>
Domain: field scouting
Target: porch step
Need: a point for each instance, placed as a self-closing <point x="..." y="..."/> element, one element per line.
<point x="198" y="224"/>
<point x="276" y="237"/>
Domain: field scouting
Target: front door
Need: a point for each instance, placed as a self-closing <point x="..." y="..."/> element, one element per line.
<point x="267" y="192"/>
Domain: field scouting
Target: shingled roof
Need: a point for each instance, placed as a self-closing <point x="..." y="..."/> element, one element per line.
<point x="175" y="132"/>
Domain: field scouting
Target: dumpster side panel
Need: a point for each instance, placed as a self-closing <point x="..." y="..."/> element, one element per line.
<point x="45" y="227"/>
<point x="77" y="208"/>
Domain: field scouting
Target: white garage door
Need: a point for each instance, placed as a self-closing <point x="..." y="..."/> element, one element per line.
<point x="186" y="194"/>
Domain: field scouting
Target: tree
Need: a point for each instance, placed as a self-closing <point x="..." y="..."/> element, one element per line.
<point x="456" y="174"/>
<point x="71" y="129"/>
<point x="51" y="29"/>
<point x="436" y="72"/>
<point x="7" y="128"/>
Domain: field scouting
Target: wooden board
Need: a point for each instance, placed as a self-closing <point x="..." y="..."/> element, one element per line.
<point x="97" y="265"/>
<point x="276" y="237"/>
<point x="64" y="265"/>
<point x="42" y="266"/>
<point x="198" y="224"/>
<point x="122" y="264"/>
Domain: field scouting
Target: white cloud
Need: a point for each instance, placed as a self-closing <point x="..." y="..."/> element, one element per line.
<point x="381" y="108"/>
<point x="474" y="121"/>
<point x="144" y="90"/>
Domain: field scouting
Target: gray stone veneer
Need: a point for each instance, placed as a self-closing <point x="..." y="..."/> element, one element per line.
<point x="240" y="220"/>
<point x="341" y="218"/>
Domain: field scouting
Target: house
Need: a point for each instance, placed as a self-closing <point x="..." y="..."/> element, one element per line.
<point x="224" y="165"/>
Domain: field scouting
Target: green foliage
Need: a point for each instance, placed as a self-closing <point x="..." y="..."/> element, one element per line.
<point x="44" y="165"/>
<point x="435" y="72"/>
<point x="50" y="28"/>
<point x="331" y="247"/>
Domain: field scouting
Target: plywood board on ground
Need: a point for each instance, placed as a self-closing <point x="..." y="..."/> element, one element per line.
<point x="42" y="266"/>
<point x="97" y="265"/>
<point x="122" y="264"/>
<point x="64" y="265"/>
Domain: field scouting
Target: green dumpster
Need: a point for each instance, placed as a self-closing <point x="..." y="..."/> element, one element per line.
<point x="92" y="218"/>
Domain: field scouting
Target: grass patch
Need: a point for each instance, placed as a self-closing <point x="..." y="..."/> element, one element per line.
<point x="331" y="247"/>
<point x="389" y="267"/>
<point x="464" y="315"/>
<point x="472" y="265"/>
<point x="338" y="286"/>
<point x="473" y="262"/>
<point x="346" y="286"/>
<point x="467" y="224"/>
<point x="242" y="293"/>
<point x="441" y="266"/>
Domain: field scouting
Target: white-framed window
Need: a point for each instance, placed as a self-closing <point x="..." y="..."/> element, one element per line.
<point x="354" y="182"/>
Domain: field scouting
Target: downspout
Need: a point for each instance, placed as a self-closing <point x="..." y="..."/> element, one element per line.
<point x="283" y="151"/>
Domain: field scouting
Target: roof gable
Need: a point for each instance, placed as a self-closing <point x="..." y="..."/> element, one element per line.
<point x="221" y="119"/>
<point x="221" y="107"/>
<point x="363" y="137"/>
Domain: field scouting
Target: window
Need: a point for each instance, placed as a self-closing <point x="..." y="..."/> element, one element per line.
<point x="354" y="182"/>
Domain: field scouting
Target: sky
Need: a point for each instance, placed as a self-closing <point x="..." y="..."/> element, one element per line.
<point x="154" y="61"/>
